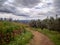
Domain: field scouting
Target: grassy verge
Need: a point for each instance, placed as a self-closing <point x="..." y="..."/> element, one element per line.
<point x="22" y="39"/>
<point x="12" y="33"/>
<point x="53" y="35"/>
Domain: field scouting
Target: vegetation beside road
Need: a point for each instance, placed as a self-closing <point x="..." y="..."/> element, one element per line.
<point x="54" y="36"/>
<point x="13" y="33"/>
<point x="49" y="26"/>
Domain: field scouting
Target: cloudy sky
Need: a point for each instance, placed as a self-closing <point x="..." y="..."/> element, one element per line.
<point x="29" y="9"/>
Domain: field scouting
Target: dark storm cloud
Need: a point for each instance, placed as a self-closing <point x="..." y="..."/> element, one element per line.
<point x="57" y="6"/>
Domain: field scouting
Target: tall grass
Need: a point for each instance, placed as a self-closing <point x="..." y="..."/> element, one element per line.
<point x="22" y="39"/>
<point x="13" y="33"/>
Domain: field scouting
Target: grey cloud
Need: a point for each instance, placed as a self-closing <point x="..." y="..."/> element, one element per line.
<point x="7" y="8"/>
<point x="4" y="8"/>
<point x="57" y="6"/>
<point x="27" y="3"/>
<point x="12" y="10"/>
<point x="57" y="3"/>
<point x="1" y="2"/>
<point x="24" y="15"/>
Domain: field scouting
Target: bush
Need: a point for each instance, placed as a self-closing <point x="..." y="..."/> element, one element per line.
<point x="51" y="24"/>
<point x="8" y="30"/>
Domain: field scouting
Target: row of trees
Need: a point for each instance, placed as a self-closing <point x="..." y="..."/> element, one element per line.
<point x="9" y="19"/>
<point x="48" y="23"/>
<point x="6" y="19"/>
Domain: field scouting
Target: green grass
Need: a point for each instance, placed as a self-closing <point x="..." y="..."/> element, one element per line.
<point x="53" y="35"/>
<point x="22" y="39"/>
<point x="7" y="33"/>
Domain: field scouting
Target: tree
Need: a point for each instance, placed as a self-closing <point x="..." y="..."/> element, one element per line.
<point x="51" y="24"/>
<point x="1" y="19"/>
<point x="32" y="23"/>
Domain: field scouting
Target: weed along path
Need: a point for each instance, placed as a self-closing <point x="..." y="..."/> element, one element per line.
<point x="39" y="39"/>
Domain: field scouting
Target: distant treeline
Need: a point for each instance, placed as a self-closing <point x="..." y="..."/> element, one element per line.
<point x="48" y="23"/>
<point x="9" y="19"/>
<point x="16" y="20"/>
<point x="6" y="19"/>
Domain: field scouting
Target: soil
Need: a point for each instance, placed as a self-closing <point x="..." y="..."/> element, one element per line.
<point x="39" y="39"/>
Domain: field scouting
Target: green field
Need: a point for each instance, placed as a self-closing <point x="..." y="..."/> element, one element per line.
<point x="12" y="33"/>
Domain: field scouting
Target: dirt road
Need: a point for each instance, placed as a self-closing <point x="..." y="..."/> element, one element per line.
<point x="39" y="39"/>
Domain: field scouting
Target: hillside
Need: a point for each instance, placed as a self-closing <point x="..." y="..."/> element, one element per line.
<point x="12" y="33"/>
